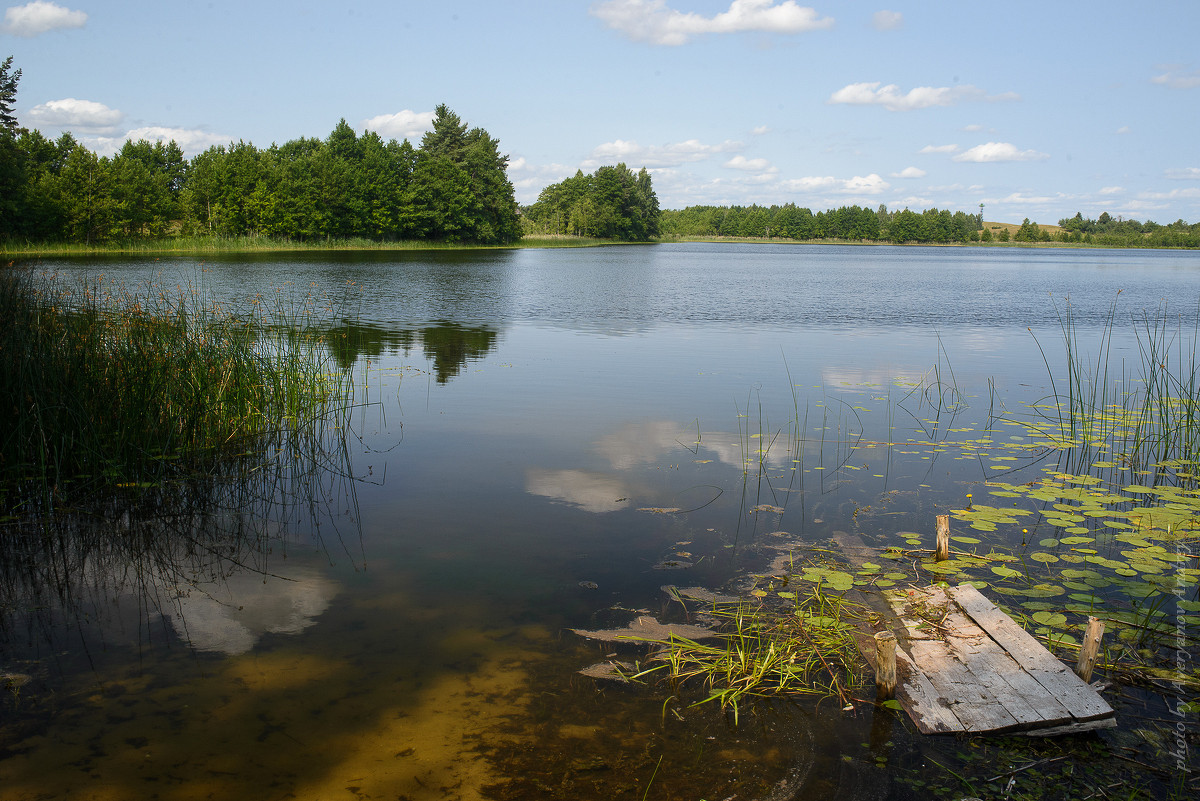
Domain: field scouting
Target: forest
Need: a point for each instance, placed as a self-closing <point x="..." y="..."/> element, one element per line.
<point x="453" y="188"/>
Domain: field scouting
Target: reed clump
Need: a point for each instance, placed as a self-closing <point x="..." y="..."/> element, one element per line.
<point x="801" y="646"/>
<point x="1133" y="417"/>
<point x="103" y="387"/>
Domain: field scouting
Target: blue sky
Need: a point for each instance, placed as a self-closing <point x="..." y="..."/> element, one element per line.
<point x="1037" y="110"/>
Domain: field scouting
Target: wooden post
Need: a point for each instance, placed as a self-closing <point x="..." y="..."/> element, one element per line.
<point x="1090" y="649"/>
<point x="942" y="551"/>
<point x="885" y="665"/>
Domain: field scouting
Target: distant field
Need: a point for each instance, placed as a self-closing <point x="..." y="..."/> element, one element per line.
<point x="996" y="227"/>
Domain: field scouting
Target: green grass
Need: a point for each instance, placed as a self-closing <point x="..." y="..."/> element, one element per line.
<point x="805" y="648"/>
<point x="252" y="244"/>
<point x="104" y="387"/>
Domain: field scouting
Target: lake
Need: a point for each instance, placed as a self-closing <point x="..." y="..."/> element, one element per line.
<point x="542" y="440"/>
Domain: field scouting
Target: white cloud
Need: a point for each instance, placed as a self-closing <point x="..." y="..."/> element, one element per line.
<point x="85" y="115"/>
<point x="1124" y="129"/>
<point x="1172" y="78"/>
<point x="40" y="17"/>
<point x="232" y="615"/>
<point x="859" y="185"/>
<point x="909" y="172"/>
<point x="671" y="155"/>
<point x="810" y="183"/>
<point x="1020" y="199"/>
<point x="760" y="130"/>
<point x="529" y="180"/>
<point x="1184" y="174"/>
<point x="872" y="93"/>
<point x="1111" y="190"/>
<point x="866" y="185"/>
<point x="592" y="492"/>
<point x="654" y="22"/>
<point x="972" y="128"/>
<point x="939" y="149"/>
<point x="999" y="151"/>
<point x="887" y="20"/>
<point x="404" y="124"/>
<point x="190" y="140"/>
<point x="749" y="165"/>
<point x="1174" y="194"/>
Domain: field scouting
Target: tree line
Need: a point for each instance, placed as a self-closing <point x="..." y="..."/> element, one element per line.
<point x="848" y="222"/>
<point x="453" y="187"/>
<point x="1121" y="232"/>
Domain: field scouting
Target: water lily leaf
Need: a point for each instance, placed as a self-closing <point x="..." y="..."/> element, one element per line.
<point x="1043" y="557"/>
<point x="1005" y="572"/>
<point x="1050" y="618"/>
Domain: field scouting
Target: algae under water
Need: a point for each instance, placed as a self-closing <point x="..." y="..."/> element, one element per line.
<point x="539" y="436"/>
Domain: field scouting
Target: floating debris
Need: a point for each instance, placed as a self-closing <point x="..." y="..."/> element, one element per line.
<point x="589" y="585"/>
<point x="673" y="564"/>
<point x="609" y="671"/>
<point x="766" y="507"/>
<point x="699" y="594"/>
<point x="645" y="627"/>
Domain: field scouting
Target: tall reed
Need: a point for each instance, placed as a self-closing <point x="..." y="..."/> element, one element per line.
<point x="102" y="386"/>
<point x="1137" y="417"/>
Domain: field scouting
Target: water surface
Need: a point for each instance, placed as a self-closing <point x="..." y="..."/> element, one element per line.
<point x="528" y="414"/>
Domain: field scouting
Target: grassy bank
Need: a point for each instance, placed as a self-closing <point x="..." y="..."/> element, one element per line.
<point x="104" y="387"/>
<point x="204" y="245"/>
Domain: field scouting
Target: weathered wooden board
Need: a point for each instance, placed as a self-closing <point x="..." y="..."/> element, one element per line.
<point x="1059" y="681"/>
<point x="969" y="668"/>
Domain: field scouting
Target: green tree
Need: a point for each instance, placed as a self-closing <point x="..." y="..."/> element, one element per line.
<point x="907" y="226"/>
<point x="8" y="94"/>
<point x="612" y="203"/>
<point x="477" y="203"/>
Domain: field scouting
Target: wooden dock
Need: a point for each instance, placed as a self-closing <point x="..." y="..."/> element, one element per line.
<point x="965" y="667"/>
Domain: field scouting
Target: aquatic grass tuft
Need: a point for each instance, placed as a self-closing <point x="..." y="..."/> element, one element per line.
<point x="805" y="648"/>
<point x="106" y="387"/>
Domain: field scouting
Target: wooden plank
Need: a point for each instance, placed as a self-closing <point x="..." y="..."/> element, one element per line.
<point x="1018" y="692"/>
<point x="990" y="668"/>
<point x="927" y="708"/>
<point x="978" y="709"/>
<point x="1073" y="693"/>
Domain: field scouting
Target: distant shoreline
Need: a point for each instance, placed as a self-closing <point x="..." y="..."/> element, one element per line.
<point x="202" y="246"/>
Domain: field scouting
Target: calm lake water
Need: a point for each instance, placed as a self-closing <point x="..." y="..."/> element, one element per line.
<point x="529" y="418"/>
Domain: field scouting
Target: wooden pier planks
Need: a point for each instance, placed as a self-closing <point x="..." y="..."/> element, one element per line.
<point x="969" y="668"/>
